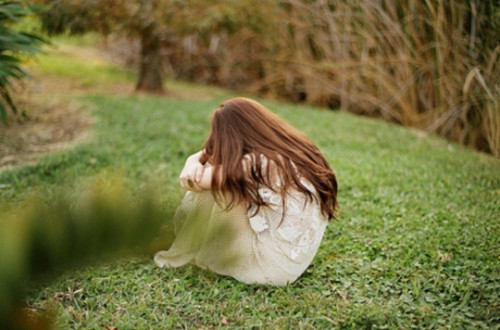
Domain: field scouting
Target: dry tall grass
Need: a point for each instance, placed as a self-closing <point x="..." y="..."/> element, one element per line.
<point x="419" y="63"/>
<point x="432" y="65"/>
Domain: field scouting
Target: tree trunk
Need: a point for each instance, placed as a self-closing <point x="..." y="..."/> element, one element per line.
<point x="150" y="78"/>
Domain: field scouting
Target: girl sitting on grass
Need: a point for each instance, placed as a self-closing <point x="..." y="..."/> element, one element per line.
<point x="259" y="197"/>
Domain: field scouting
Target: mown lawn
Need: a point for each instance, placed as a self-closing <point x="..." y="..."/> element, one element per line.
<point x="417" y="242"/>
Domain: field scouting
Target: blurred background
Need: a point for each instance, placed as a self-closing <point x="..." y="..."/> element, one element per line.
<point x="431" y="65"/>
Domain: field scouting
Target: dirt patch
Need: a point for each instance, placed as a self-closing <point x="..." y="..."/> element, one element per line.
<point x="54" y="122"/>
<point x="48" y="126"/>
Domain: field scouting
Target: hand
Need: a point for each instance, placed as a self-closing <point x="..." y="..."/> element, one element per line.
<point x="192" y="173"/>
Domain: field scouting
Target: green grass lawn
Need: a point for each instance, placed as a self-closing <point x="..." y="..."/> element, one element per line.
<point x="417" y="243"/>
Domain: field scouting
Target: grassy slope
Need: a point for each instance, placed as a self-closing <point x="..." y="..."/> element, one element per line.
<point x="417" y="243"/>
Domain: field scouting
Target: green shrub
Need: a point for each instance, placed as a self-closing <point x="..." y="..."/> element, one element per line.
<point x="14" y="45"/>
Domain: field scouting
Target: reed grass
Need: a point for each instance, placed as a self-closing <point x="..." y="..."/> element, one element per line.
<point x="417" y="63"/>
<point x="432" y="65"/>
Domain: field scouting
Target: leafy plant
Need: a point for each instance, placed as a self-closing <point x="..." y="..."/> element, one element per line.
<point x="14" y="45"/>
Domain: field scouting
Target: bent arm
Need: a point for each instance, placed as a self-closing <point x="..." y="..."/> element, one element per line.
<point x="205" y="181"/>
<point x="196" y="176"/>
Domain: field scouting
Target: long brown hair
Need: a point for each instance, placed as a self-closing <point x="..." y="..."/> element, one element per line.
<point x="240" y="127"/>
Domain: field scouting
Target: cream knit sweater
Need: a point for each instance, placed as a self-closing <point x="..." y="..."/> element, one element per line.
<point x="271" y="247"/>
